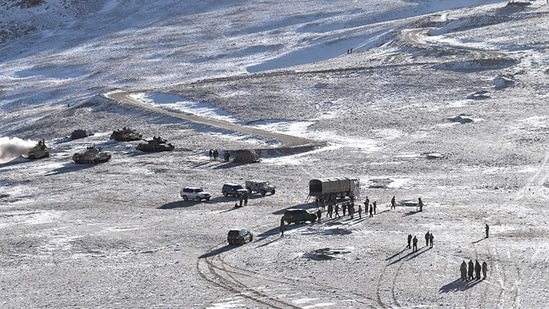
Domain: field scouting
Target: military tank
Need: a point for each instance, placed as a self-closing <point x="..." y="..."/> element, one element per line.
<point x="80" y="133"/>
<point x="125" y="135"/>
<point x="156" y="144"/>
<point x="92" y="155"/>
<point x="39" y="151"/>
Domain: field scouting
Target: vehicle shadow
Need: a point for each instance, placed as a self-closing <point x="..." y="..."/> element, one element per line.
<point x="458" y="285"/>
<point x="217" y="251"/>
<point x="179" y="204"/>
<point x="69" y="167"/>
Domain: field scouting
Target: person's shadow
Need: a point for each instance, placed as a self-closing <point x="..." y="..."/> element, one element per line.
<point x="458" y="285"/>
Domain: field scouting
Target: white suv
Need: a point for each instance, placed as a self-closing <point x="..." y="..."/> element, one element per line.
<point x="194" y="193"/>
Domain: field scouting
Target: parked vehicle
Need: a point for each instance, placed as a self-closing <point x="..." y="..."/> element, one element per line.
<point x="298" y="216"/>
<point x="239" y="237"/>
<point x="260" y="186"/>
<point x="330" y="189"/>
<point x="194" y="193"/>
<point x="232" y="189"/>
<point x="92" y="155"/>
<point x="156" y="144"/>
<point x="126" y="134"/>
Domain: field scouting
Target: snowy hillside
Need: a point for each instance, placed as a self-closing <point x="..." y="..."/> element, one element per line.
<point x="440" y="100"/>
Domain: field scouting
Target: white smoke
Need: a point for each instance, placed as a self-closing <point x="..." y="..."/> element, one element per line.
<point x="11" y="148"/>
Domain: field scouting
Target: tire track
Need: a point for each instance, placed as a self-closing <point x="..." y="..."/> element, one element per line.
<point x="240" y="281"/>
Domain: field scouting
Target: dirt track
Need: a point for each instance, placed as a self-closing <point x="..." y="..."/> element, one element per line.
<point x="289" y="143"/>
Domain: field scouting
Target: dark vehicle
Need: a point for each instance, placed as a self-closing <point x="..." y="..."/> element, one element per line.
<point x="298" y="216"/>
<point x="125" y="135"/>
<point x="330" y="189"/>
<point x="239" y="237"/>
<point x="92" y="155"/>
<point x="233" y="190"/>
<point x="156" y="144"/>
<point x="80" y="133"/>
<point x="38" y="151"/>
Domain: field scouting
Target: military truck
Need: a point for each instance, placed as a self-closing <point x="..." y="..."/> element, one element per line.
<point x="331" y="189"/>
<point x="260" y="186"/>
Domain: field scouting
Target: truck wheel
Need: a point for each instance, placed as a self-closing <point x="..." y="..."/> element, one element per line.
<point x="263" y="192"/>
<point x="197" y="198"/>
<point x="273" y="192"/>
<point x="249" y="190"/>
<point x="225" y="193"/>
<point x="185" y="198"/>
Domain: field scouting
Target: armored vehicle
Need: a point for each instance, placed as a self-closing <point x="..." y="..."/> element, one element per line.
<point x="155" y="145"/>
<point x="79" y="133"/>
<point x="298" y="216"/>
<point x="260" y="186"/>
<point x="38" y="151"/>
<point x="125" y="134"/>
<point x="92" y="155"/>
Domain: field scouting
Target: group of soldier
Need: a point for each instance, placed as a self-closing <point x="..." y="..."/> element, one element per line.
<point x="471" y="271"/>
<point x="214" y="154"/>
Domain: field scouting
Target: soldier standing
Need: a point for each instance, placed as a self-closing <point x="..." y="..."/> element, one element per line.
<point x="487" y="229"/>
<point x="414" y="243"/>
<point x="420" y="204"/>
<point x="427" y="238"/>
<point x="484" y="269"/>
<point x="478" y="268"/>
<point x="366" y="204"/>
<point x="463" y="270"/>
<point x="319" y="214"/>
<point x="282" y="226"/>
<point x="393" y="202"/>
<point x="470" y="270"/>
<point x="344" y="207"/>
<point x="409" y="241"/>
<point x="337" y="211"/>
<point x="431" y="239"/>
<point x="375" y="207"/>
<point x="330" y="210"/>
<point x="359" y="211"/>
<point x="371" y="210"/>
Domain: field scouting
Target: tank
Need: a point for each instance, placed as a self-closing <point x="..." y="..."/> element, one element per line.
<point x="38" y="151"/>
<point x="125" y="134"/>
<point x="79" y="133"/>
<point x="92" y="155"/>
<point x="155" y="145"/>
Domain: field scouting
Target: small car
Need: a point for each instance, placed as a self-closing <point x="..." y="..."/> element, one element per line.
<point x="232" y="189"/>
<point x="298" y="216"/>
<point x="239" y="236"/>
<point x="194" y="193"/>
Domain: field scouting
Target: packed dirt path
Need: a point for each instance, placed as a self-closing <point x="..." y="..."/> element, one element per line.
<point x="287" y="141"/>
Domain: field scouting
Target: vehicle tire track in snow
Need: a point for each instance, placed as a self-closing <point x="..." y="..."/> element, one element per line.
<point x="215" y="275"/>
<point x="537" y="180"/>
<point x="253" y="285"/>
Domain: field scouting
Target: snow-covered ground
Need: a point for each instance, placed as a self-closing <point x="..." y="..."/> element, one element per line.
<point x="443" y="100"/>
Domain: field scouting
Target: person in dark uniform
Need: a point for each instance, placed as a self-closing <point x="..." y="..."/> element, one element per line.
<point x="393" y="202"/>
<point x="414" y="243"/>
<point x="409" y="241"/>
<point x="478" y="268"/>
<point x="282" y="226"/>
<point x="319" y="214"/>
<point x="427" y="238"/>
<point x="470" y="270"/>
<point x="375" y="207"/>
<point x="359" y="211"/>
<point x="420" y="204"/>
<point x="431" y="240"/>
<point x="463" y="270"/>
<point x="487" y="229"/>
<point x="371" y="210"/>
<point x="484" y="269"/>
